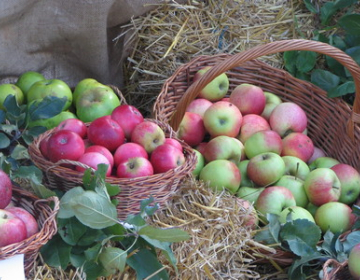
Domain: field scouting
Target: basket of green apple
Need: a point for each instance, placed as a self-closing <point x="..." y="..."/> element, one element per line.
<point x="295" y="148"/>
<point x="144" y="157"/>
<point x="26" y="222"/>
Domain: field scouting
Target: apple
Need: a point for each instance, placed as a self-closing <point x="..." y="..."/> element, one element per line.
<point x="128" y="117"/>
<point x="222" y="147"/>
<point x="263" y="141"/>
<point x="43" y="146"/>
<point x="242" y="148"/>
<point x="105" y="131"/>
<point x="201" y="147"/>
<point x="199" y="106"/>
<point x="200" y="163"/>
<point x="322" y="186"/>
<point x="134" y="167"/>
<point x="222" y="118"/>
<point x="296" y="186"/>
<point x="93" y="159"/>
<point x="245" y="181"/>
<point x="96" y="102"/>
<point x="295" y="213"/>
<point x="65" y="144"/>
<point x="265" y="169"/>
<point x="129" y="150"/>
<point x="312" y="208"/>
<point x="272" y="100"/>
<point x="149" y="135"/>
<point x="288" y="117"/>
<point x="52" y="87"/>
<point x="250" y="194"/>
<point x="174" y="142"/>
<point x="273" y="200"/>
<point x="249" y="213"/>
<point x="318" y="152"/>
<point x="296" y="167"/>
<point x="354" y="260"/>
<point x="250" y="99"/>
<point x="28" y="219"/>
<point x="298" y="145"/>
<point x="27" y="79"/>
<point x="350" y="182"/>
<point x="221" y="174"/>
<point x="323" y="162"/>
<point x="12" y="228"/>
<point x="5" y="189"/>
<point x="102" y="150"/>
<point x="83" y="85"/>
<point x="191" y="129"/>
<point x="252" y="123"/>
<point x="166" y="157"/>
<point x="215" y="89"/>
<point x="75" y="125"/>
<point x="10" y="89"/>
<point x="334" y="216"/>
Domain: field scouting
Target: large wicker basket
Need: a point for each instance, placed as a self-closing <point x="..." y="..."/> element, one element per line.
<point x="44" y="211"/>
<point x="333" y="124"/>
<point x="160" y="186"/>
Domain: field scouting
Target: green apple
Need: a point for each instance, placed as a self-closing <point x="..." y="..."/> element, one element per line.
<point x="312" y="208"/>
<point x="272" y="100"/>
<point x="263" y="141"/>
<point x="52" y="87"/>
<point x="27" y="79"/>
<point x="216" y="89"/>
<point x="96" y="102"/>
<point x="200" y="162"/>
<point x="354" y="260"/>
<point x="54" y="121"/>
<point x="245" y="181"/>
<point x="250" y="194"/>
<point x="83" y="85"/>
<point x="10" y="89"/>
<point x="296" y="186"/>
<point x="221" y="174"/>
<point x="321" y="162"/>
<point x="334" y="216"/>
<point x="296" y="167"/>
<point x="222" y="147"/>
<point x="294" y="213"/>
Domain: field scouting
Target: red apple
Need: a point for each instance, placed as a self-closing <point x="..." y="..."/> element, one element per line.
<point x="318" y="152"/>
<point x="166" y="157"/>
<point x="199" y="106"/>
<point x="65" y="144"/>
<point x="250" y="99"/>
<point x="129" y="150"/>
<point x="298" y="145"/>
<point x="174" y="142"/>
<point x="192" y="129"/>
<point x="102" y="150"/>
<point x="252" y="123"/>
<point x="263" y="141"/>
<point x="201" y="147"/>
<point x="223" y="147"/>
<point x="93" y="159"/>
<point x="43" y="146"/>
<point x="127" y="116"/>
<point x="12" y="229"/>
<point x="74" y="125"/>
<point x="29" y="220"/>
<point x="105" y="131"/>
<point x="5" y="189"/>
<point x="149" y="135"/>
<point x="134" y="167"/>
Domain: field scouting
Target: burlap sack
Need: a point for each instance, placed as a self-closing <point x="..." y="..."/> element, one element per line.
<point x="65" y="39"/>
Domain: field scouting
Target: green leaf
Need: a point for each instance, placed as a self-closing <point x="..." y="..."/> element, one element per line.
<point x="94" y="210"/>
<point x="112" y="189"/>
<point x="20" y="152"/>
<point x="56" y="252"/>
<point x="324" y="79"/>
<point x="164" y="235"/>
<point x="48" y="107"/>
<point x="350" y="23"/>
<point x="343" y="89"/>
<point x="328" y="244"/>
<point x="310" y="6"/>
<point x="352" y="239"/>
<point x="42" y="191"/>
<point x="4" y="141"/>
<point x="305" y="61"/>
<point x="91" y="236"/>
<point x="71" y="230"/>
<point x="296" y="270"/>
<point x="326" y="12"/>
<point x="354" y="52"/>
<point x="93" y="252"/>
<point x="113" y="259"/>
<point x="29" y="172"/>
<point x="302" y="236"/>
<point x="66" y="210"/>
<point x="11" y="106"/>
<point x="341" y="4"/>
<point x="93" y="270"/>
<point x="290" y="61"/>
<point x="2" y="116"/>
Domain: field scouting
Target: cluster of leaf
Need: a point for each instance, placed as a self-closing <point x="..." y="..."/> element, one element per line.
<point x="91" y="238"/>
<point x="310" y="247"/>
<point x="344" y="34"/>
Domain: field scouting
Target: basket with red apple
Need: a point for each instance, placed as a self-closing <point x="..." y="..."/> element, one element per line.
<point x="44" y="211"/>
<point x="332" y="124"/>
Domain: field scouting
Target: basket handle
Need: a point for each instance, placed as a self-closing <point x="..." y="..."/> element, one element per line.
<point x="266" y="49"/>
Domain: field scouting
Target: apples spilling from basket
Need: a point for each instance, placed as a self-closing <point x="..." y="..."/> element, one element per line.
<point x="128" y="144"/>
<point x="256" y="146"/>
<point x="16" y="223"/>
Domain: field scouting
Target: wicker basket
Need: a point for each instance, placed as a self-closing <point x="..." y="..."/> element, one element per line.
<point x="333" y="124"/>
<point x="44" y="210"/>
<point x="160" y="186"/>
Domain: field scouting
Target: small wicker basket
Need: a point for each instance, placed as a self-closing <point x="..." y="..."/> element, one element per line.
<point x="160" y="186"/>
<point x="44" y="211"/>
<point x="333" y="124"/>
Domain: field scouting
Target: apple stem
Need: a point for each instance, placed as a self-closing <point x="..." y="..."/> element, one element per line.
<point x="297" y="170"/>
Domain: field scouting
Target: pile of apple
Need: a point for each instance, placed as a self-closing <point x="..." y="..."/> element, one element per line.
<point x="89" y="100"/>
<point x="16" y="223"/>
<point x="130" y="145"/>
<point x="256" y="146"/>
